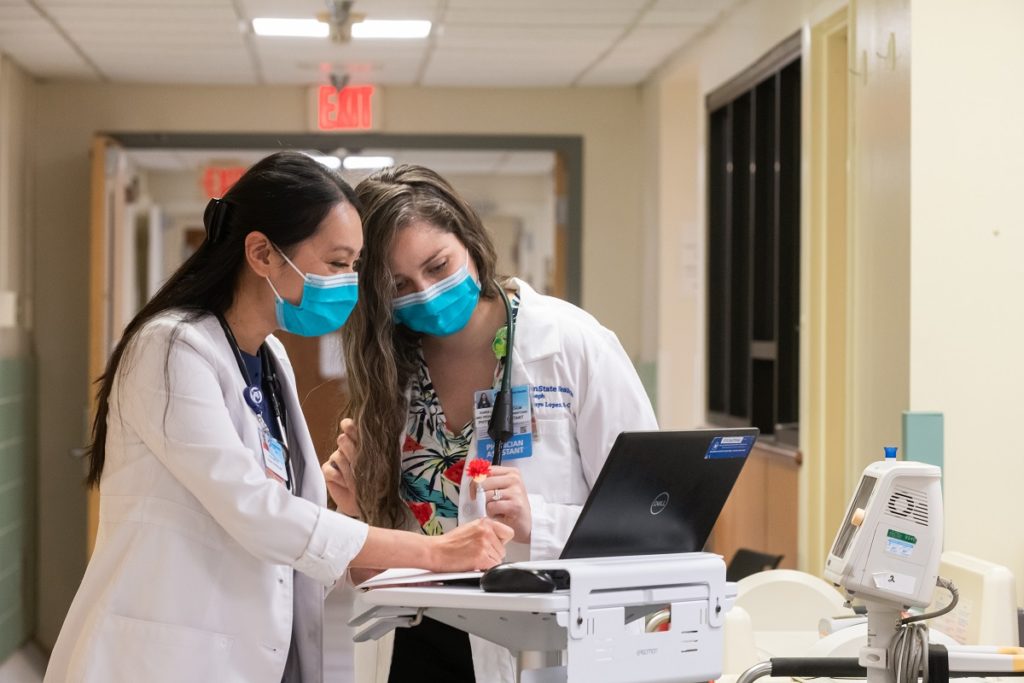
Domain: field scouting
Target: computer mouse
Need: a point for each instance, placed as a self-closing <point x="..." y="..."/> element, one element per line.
<point x="508" y="579"/>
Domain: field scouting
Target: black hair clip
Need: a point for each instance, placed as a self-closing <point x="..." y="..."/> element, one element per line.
<point x="215" y="219"/>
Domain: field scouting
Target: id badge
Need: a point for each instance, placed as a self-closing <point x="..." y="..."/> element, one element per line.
<point x="275" y="461"/>
<point x="520" y="445"/>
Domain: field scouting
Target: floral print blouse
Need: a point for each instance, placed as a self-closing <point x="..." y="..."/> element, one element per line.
<point x="433" y="457"/>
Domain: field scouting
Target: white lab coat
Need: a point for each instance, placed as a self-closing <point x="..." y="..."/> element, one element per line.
<point x="586" y="391"/>
<point x="192" y="575"/>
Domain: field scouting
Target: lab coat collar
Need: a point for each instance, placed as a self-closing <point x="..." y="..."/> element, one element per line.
<point x="536" y="331"/>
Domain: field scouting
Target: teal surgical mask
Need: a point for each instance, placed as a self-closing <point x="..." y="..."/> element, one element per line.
<point x="443" y="308"/>
<point x="326" y="303"/>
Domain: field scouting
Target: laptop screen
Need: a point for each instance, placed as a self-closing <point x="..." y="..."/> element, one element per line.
<point x="659" y="492"/>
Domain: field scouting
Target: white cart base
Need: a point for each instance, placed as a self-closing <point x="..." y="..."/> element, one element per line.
<point x="584" y="634"/>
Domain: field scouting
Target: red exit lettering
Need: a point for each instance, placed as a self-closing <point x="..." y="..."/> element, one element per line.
<point x="348" y="109"/>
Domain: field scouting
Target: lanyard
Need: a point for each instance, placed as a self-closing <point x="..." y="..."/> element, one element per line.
<point x="269" y="375"/>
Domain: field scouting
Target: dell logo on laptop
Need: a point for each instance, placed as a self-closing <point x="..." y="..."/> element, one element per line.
<point x="660" y="503"/>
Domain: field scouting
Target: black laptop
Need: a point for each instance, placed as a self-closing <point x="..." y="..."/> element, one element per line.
<point x="659" y="492"/>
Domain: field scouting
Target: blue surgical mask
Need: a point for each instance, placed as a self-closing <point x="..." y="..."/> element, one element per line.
<point x="326" y="303"/>
<point x="443" y="308"/>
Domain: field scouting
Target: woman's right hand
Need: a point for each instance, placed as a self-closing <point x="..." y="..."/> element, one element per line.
<point x="475" y="546"/>
<point x="339" y="472"/>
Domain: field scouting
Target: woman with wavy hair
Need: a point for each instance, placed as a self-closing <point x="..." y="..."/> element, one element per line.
<point x="426" y="338"/>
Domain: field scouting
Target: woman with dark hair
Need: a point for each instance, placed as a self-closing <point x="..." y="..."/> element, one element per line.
<point x="214" y="547"/>
<point x="427" y="342"/>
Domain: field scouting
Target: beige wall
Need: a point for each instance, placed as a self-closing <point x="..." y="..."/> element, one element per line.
<point x="966" y="267"/>
<point x="880" y="230"/>
<point x="676" y="208"/>
<point x="675" y="105"/>
<point x="70" y="113"/>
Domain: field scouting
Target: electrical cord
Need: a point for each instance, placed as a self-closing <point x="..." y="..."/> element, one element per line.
<point x="910" y="653"/>
<point x="941" y="583"/>
<point x="910" y="646"/>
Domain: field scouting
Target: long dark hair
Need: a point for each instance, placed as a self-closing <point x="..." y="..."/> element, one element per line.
<point x="284" y="196"/>
<point x="381" y="356"/>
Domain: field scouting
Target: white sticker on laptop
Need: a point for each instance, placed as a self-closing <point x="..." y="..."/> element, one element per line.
<point x="729" y="447"/>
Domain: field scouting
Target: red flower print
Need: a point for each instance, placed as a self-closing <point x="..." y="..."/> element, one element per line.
<point x="411" y="445"/>
<point x="479" y="468"/>
<point x="422" y="511"/>
<point x="454" y="473"/>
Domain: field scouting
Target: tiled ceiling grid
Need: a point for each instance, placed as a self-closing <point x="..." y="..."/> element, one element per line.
<point x="474" y="43"/>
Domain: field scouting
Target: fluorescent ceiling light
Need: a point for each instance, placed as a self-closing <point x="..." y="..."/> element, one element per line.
<point x="331" y="162"/>
<point x="365" y="163"/>
<point x="381" y="28"/>
<point x="295" y="28"/>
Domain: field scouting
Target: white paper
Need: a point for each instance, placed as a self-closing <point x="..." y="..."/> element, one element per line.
<point x="414" y="577"/>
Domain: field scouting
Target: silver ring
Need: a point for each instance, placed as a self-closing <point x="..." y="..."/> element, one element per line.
<point x="496" y="496"/>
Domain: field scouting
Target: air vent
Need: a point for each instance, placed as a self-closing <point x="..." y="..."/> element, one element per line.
<point x="909" y="504"/>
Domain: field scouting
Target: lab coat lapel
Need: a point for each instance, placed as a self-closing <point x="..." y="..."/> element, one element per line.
<point x="536" y="334"/>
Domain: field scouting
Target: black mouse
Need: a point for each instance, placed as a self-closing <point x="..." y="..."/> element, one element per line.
<point x="508" y="579"/>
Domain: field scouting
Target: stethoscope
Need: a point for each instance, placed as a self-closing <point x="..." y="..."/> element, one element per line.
<point x="499" y="428"/>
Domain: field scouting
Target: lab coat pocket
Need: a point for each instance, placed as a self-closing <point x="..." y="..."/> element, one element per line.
<point x="548" y="471"/>
<point x="130" y="650"/>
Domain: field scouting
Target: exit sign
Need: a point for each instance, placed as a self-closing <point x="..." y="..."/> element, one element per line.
<point x="217" y="180"/>
<point x="350" y="108"/>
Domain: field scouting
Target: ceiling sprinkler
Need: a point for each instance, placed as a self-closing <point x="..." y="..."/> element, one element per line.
<point x="340" y="17"/>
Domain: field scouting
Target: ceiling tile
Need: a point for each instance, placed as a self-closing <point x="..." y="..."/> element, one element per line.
<point x="295" y="49"/>
<point x="17" y="10"/>
<point x="175" y="75"/>
<point x="496" y="76"/>
<point x="276" y="8"/>
<point x="104" y="13"/>
<point x="528" y="41"/>
<point x="45" y="54"/>
<point x="655" y="43"/>
<point x="546" y="5"/>
<point x="553" y="16"/>
<point x="498" y="59"/>
<point x="205" y="60"/>
<point x="126" y="5"/>
<point x="639" y="54"/>
<point x="373" y="9"/>
<point x="489" y="43"/>
<point x="373" y="74"/>
<point x="671" y="18"/>
<point x="615" y="76"/>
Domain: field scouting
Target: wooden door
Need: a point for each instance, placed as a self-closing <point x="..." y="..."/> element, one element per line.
<point x="108" y="270"/>
<point x="761" y="513"/>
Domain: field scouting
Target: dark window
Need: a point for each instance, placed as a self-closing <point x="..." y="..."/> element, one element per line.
<point x="754" y="247"/>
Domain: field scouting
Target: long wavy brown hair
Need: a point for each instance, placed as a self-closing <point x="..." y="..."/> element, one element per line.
<point x="380" y="355"/>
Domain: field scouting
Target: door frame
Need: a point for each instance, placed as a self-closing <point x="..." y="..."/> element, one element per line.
<point x="568" y="148"/>
<point x="826" y="334"/>
<point x="105" y="247"/>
